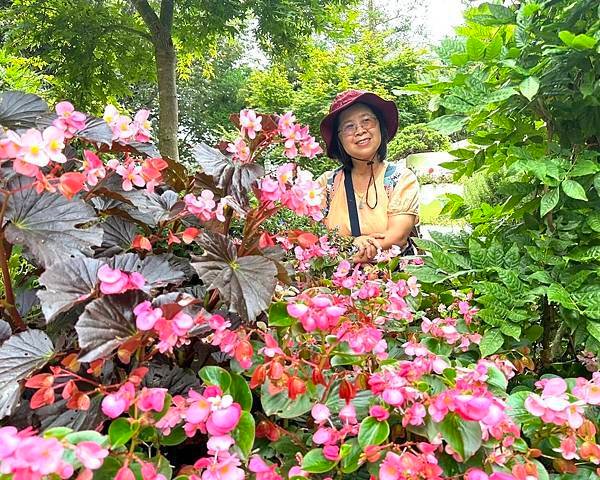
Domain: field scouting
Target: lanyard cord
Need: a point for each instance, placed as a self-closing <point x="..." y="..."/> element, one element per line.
<point x="371" y="179"/>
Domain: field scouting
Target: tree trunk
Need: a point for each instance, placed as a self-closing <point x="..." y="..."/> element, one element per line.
<point x="166" y="65"/>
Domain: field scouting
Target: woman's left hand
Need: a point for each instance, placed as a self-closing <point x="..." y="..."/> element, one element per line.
<point x="367" y="247"/>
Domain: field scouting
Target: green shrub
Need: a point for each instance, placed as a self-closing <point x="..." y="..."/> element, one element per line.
<point x="416" y="138"/>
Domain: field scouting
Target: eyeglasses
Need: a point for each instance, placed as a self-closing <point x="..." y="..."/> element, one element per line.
<point x="349" y="129"/>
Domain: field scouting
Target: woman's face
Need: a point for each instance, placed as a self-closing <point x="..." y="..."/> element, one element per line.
<point x="359" y="132"/>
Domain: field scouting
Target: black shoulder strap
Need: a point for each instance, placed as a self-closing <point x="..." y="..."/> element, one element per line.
<point x="351" y="200"/>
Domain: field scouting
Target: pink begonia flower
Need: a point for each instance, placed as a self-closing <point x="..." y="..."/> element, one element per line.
<point x="269" y="190"/>
<point x="271" y="347"/>
<point x="391" y="467"/>
<point x="111" y="115"/>
<point x="198" y="411"/>
<point x="225" y="467"/>
<point x="348" y="414"/>
<point x="9" y="441"/>
<point x="69" y="120"/>
<point x="221" y="443"/>
<point x="149" y="472"/>
<point x="146" y="316"/>
<point x="331" y="452"/>
<point x="568" y="448"/>
<point x="142" y="126"/>
<point x="472" y="408"/>
<point x="250" y="123"/>
<point x="113" y="405"/>
<point x="285" y="174"/>
<point x="263" y="471"/>
<point x="285" y="123"/>
<point x="123" y="128"/>
<point x="131" y="176"/>
<point x="201" y="206"/>
<point x="10" y="145"/>
<point x="124" y="473"/>
<point x="240" y="150"/>
<point x="320" y="413"/>
<point x="324" y="435"/>
<point x="588" y="390"/>
<point x="296" y="471"/>
<point x="33" y="149"/>
<point x="310" y="148"/>
<point x="224" y="420"/>
<point x="90" y="454"/>
<point x="42" y="456"/>
<point x="136" y="281"/>
<point x="414" y="415"/>
<point x="151" y="399"/>
<point x="54" y="140"/>
<point x="93" y="168"/>
<point x="112" y="280"/>
<point x="379" y="413"/>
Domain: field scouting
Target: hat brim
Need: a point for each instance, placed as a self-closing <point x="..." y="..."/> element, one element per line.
<point x="387" y="108"/>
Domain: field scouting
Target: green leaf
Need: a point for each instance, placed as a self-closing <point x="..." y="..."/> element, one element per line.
<point x="491" y="342"/>
<point x="281" y="405"/>
<point x="558" y="294"/>
<point x="597" y="183"/>
<point x="593" y="329"/>
<point x="176" y="437"/>
<point x="315" y="462"/>
<point x="529" y="87"/>
<point x="584" y="167"/>
<point x="448" y="124"/>
<point x="495" y="254"/>
<point x="464" y="437"/>
<point x="475" y="48"/>
<point x="86" y="436"/>
<point x="516" y="408"/>
<point x="496" y="378"/>
<point x="372" y="432"/>
<point x="57" y="432"/>
<point x="511" y="330"/>
<point x="477" y="253"/>
<point x="594" y="221"/>
<point x="244" y="434"/>
<point x="349" y="462"/>
<point x="512" y="258"/>
<point x="240" y="391"/>
<point x="574" y="189"/>
<point x="121" y="431"/>
<point x="278" y="316"/>
<point x="218" y="376"/>
<point x="500" y="95"/>
<point x="549" y="201"/>
<point x="579" y="42"/>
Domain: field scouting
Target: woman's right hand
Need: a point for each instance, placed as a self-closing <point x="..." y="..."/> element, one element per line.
<point x="367" y="247"/>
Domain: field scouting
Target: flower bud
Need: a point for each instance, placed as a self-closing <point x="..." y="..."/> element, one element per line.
<point x="295" y="387"/>
<point x="258" y="377"/>
<point x="347" y="390"/>
<point x="275" y="371"/>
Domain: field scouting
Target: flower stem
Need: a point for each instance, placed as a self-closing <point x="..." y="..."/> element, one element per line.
<point x="17" y="322"/>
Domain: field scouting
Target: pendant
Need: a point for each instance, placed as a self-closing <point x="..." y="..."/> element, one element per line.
<point x="361" y="205"/>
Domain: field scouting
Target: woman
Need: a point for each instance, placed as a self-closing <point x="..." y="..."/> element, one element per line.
<point x="384" y="208"/>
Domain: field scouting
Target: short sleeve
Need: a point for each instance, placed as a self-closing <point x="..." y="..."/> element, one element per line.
<point x="405" y="197"/>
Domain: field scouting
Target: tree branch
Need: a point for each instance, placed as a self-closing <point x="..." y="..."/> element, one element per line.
<point x="135" y="31"/>
<point x="148" y="16"/>
<point x="166" y="14"/>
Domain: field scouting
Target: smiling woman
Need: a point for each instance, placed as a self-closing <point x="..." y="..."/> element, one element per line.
<point x="373" y="200"/>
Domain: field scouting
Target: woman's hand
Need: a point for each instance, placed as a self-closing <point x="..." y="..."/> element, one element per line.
<point x="367" y="247"/>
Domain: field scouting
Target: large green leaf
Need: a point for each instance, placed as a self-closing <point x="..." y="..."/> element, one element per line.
<point x="529" y="87"/>
<point x="372" y="432"/>
<point x="213" y="375"/>
<point x="20" y="356"/>
<point x="549" y="201"/>
<point x="240" y="391"/>
<point x="574" y="189"/>
<point x="281" y="405"/>
<point x="491" y="342"/>
<point x="448" y="124"/>
<point x="106" y="323"/>
<point x="315" y="462"/>
<point x="67" y="283"/>
<point x="49" y="225"/>
<point x="245" y="283"/>
<point x="464" y="437"/>
<point x="244" y="434"/>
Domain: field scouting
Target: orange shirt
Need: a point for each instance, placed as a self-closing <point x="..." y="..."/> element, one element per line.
<point x="404" y="200"/>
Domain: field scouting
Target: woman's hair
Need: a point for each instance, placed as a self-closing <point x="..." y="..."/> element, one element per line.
<point x="338" y="149"/>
